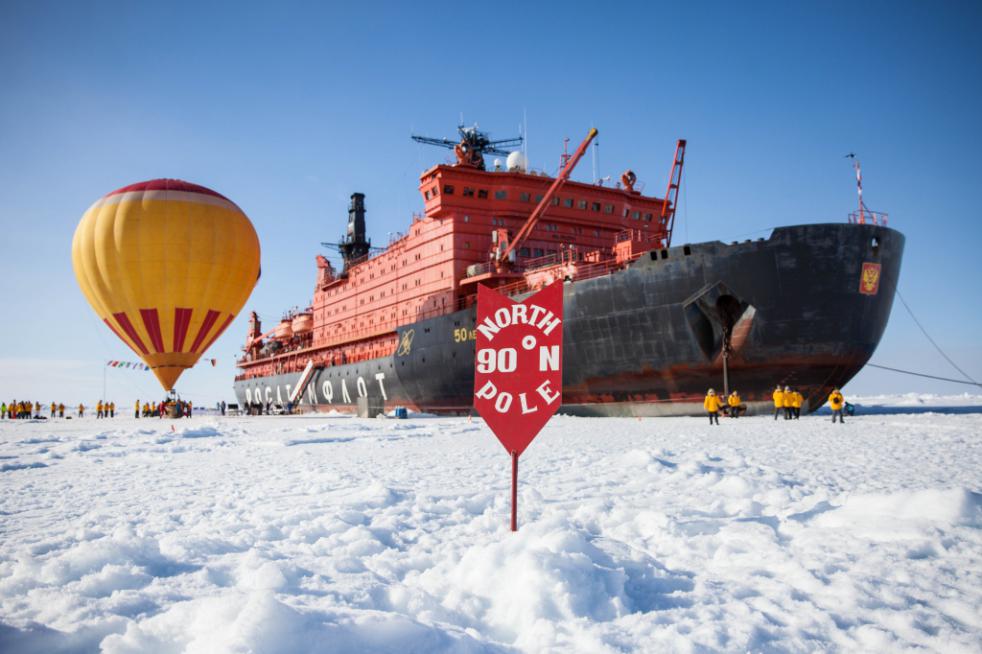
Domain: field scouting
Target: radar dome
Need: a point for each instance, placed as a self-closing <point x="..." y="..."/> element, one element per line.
<point x="517" y="162"/>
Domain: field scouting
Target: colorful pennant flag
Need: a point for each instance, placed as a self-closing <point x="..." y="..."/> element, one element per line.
<point x="128" y="364"/>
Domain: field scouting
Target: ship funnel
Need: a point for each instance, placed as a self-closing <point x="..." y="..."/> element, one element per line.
<point x="354" y="245"/>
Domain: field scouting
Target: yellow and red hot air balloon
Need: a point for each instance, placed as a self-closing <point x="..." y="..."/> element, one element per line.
<point x="167" y="265"/>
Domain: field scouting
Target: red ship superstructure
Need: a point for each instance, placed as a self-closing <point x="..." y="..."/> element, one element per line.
<point x="470" y="216"/>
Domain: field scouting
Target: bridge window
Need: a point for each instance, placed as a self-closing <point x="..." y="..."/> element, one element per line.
<point x="635" y="215"/>
<point x="525" y="197"/>
<point x="448" y="189"/>
<point x="647" y="217"/>
<point x="595" y="206"/>
<point x="482" y="194"/>
<point x="568" y="202"/>
<point x="468" y="192"/>
<point x="608" y="208"/>
<point x="500" y="195"/>
<point x="581" y="204"/>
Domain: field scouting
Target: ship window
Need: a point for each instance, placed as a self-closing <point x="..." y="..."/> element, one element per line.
<point x="635" y="215"/>
<point x="538" y="252"/>
<point x="448" y="189"/>
<point x="608" y="208"/>
<point x="523" y="252"/>
<point x="538" y="197"/>
<point x="581" y="204"/>
<point x="647" y="217"/>
<point x="467" y="245"/>
<point x="664" y="254"/>
<point x="596" y="232"/>
<point x="482" y="194"/>
<point x="525" y="197"/>
<point x="500" y="195"/>
<point x="568" y="202"/>
<point x="555" y="202"/>
<point x="626" y="212"/>
<point x="686" y="250"/>
<point x="436" y="191"/>
<point x="426" y="194"/>
<point x="468" y="192"/>
<point x="467" y="218"/>
<point x="595" y="206"/>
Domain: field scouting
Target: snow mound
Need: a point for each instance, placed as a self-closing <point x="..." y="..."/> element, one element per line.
<point x="258" y="622"/>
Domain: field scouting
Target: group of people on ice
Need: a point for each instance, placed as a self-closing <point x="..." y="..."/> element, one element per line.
<point x="19" y="410"/>
<point x="171" y="408"/>
<point x="787" y="401"/>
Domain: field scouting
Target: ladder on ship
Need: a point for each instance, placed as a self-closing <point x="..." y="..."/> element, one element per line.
<point x="303" y="382"/>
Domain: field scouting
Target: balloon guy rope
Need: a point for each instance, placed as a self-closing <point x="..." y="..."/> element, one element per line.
<point x="518" y="373"/>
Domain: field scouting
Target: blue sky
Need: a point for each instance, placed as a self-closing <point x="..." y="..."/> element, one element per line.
<point x="287" y="108"/>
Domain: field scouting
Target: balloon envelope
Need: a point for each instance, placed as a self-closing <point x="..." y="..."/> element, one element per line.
<point x="166" y="265"/>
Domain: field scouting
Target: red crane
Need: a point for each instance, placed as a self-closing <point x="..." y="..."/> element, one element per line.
<point x="672" y="192"/>
<point x="533" y="218"/>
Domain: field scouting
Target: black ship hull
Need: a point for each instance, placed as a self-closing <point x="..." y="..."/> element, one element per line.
<point x="805" y="307"/>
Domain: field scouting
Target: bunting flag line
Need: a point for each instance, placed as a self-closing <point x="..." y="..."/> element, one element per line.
<point x="127" y="364"/>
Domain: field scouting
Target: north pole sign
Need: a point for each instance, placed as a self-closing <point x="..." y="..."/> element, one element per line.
<point x="518" y="366"/>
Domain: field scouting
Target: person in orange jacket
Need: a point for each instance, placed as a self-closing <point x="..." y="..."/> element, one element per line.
<point x="81" y="410"/>
<point x="778" y="396"/>
<point x="836" y="402"/>
<point x="713" y="404"/>
<point x="61" y="410"/>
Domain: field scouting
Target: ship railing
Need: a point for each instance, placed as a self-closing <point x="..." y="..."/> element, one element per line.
<point x="867" y="216"/>
<point x="636" y="235"/>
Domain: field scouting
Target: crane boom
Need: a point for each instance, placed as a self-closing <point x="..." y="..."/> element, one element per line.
<point x="540" y="208"/>
<point x="672" y="192"/>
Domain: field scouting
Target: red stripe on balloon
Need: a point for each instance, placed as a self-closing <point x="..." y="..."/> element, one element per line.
<point x="182" y="320"/>
<point x="219" y="332"/>
<point x="152" y="322"/>
<point x="167" y="185"/>
<point x="118" y="335"/>
<point x="127" y="327"/>
<point x="210" y="319"/>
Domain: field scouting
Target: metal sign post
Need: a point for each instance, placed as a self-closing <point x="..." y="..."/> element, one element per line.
<point x="518" y="368"/>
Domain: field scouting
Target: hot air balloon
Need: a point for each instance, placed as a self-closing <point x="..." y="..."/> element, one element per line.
<point x="166" y="265"/>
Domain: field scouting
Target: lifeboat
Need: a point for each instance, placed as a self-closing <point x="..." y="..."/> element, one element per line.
<point x="284" y="330"/>
<point x="303" y="323"/>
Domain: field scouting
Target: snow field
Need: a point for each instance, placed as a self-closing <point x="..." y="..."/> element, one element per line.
<point x="333" y="534"/>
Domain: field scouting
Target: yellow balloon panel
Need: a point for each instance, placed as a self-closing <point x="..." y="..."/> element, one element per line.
<point x="166" y="265"/>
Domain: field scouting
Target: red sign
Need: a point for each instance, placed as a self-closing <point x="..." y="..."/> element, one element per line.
<point x="518" y="367"/>
<point x="869" y="280"/>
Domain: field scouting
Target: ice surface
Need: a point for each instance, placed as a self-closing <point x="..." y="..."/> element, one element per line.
<point x="333" y="534"/>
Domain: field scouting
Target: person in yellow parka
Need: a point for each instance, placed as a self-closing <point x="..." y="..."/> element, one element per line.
<point x="54" y="407"/>
<point x="713" y="404"/>
<point x="788" y="403"/>
<point x="836" y="402"/>
<point x="778" y="396"/>
<point x="796" y="401"/>
<point x="733" y="401"/>
<point x="37" y="409"/>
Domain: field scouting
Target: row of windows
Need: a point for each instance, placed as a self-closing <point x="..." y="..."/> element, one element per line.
<point x="569" y="203"/>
